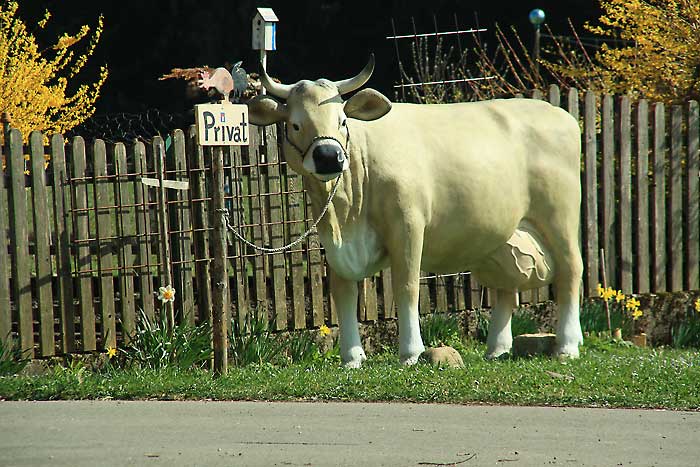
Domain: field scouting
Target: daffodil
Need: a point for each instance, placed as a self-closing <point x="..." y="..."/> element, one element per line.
<point x="697" y="305"/>
<point x="111" y="352"/>
<point x="324" y="330"/>
<point x="601" y="291"/>
<point x="166" y="294"/>
<point x="619" y="296"/>
<point x="632" y="304"/>
<point x="636" y="314"/>
<point x="608" y="294"/>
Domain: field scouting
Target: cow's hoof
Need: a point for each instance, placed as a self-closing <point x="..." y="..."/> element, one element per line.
<point x="498" y="353"/>
<point x="409" y="361"/>
<point x="566" y="352"/>
<point x="355" y="358"/>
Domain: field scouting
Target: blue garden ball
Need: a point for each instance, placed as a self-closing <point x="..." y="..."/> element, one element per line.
<point x="536" y="17"/>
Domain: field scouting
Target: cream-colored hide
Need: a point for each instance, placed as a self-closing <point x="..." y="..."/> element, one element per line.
<point x="492" y="187"/>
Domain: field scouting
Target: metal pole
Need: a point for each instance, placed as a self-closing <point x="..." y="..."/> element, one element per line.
<point x="605" y="286"/>
<point x="219" y="274"/>
<point x="536" y="51"/>
<point x="263" y="61"/>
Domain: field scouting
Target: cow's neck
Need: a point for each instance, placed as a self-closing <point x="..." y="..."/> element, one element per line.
<point x="345" y="210"/>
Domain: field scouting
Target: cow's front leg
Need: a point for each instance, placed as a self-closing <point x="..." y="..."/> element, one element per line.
<point x="344" y="294"/>
<point x="500" y="338"/>
<point x="405" y="276"/>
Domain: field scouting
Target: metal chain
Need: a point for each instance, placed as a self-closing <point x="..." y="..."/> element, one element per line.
<point x="225" y="218"/>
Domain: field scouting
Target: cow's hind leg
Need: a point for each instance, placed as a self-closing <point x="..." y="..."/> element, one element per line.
<point x="567" y="285"/>
<point x="500" y="338"/>
<point x="344" y="293"/>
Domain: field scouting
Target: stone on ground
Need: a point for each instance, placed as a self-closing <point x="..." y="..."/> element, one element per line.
<point x="541" y="343"/>
<point x="445" y="355"/>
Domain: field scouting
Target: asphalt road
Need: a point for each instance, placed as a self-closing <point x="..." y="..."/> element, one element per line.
<point x="113" y="433"/>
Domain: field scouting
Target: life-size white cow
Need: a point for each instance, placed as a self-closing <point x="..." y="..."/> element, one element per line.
<point x="491" y="187"/>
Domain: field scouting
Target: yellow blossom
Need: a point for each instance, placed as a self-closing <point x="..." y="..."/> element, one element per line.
<point x="636" y="314"/>
<point x="39" y="92"/>
<point x="697" y="305"/>
<point x="619" y="296"/>
<point x="608" y="294"/>
<point x="601" y="291"/>
<point x="324" y="330"/>
<point x="166" y="294"/>
<point x="632" y="304"/>
<point x="111" y="352"/>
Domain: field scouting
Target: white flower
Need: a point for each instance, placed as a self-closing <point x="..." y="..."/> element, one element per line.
<point x="166" y="294"/>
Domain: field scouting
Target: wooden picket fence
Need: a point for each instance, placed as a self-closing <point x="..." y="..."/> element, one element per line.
<point x="85" y="243"/>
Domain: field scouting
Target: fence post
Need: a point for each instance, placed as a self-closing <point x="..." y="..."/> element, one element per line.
<point x="219" y="274"/>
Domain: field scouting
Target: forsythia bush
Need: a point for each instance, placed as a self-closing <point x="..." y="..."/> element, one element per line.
<point x="661" y="56"/>
<point x="34" y="82"/>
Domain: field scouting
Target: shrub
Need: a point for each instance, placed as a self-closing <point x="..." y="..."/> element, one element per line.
<point x="12" y="359"/>
<point x="440" y="329"/>
<point x="153" y="345"/>
<point x="39" y="90"/>
<point x="687" y="333"/>
<point x="252" y="343"/>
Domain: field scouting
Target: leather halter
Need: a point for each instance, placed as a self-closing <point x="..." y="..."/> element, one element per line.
<point x="319" y="137"/>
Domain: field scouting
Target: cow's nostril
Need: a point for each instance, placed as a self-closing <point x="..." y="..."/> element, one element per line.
<point x="328" y="159"/>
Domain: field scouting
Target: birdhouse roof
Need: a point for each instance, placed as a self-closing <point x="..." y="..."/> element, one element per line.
<point x="267" y="14"/>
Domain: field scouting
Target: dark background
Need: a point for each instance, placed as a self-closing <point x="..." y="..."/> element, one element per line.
<point x="323" y="38"/>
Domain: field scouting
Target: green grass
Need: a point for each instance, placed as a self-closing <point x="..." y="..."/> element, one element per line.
<point x="606" y="375"/>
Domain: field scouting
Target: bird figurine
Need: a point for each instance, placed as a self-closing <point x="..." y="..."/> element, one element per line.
<point x="232" y="85"/>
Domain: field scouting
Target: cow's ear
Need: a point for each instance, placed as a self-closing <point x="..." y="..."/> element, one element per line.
<point x="367" y="105"/>
<point x="264" y="110"/>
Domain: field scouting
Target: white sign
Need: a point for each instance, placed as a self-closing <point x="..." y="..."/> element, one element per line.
<point x="222" y="124"/>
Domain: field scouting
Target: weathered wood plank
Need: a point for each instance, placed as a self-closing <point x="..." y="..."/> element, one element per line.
<point x="296" y="258"/>
<point x="315" y="274"/>
<point x="198" y="186"/>
<point x="624" y="220"/>
<point x="641" y="231"/>
<point x="692" y="200"/>
<point x="590" y="196"/>
<point x="674" y="213"/>
<point x="81" y="217"/>
<point x="388" y="295"/>
<point x="441" y="294"/>
<point x="5" y="309"/>
<point x="277" y="260"/>
<point x="240" y="262"/>
<point x="104" y="198"/>
<point x="180" y="224"/>
<point x="370" y="288"/>
<point x="143" y="230"/>
<point x="220" y="310"/>
<point x="554" y="95"/>
<point x="42" y="245"/>
<point x="19" y="243"/>
<point x="424" y="293"/>
<point x="658" y="207"/>
<point x="61" y="202"/>
<point x="126" y="228"/>
<point x="257" y="218"/>
<point x="607" y="191"/>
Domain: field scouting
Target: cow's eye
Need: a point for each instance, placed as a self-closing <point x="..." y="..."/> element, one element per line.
<point x="295" y="126"/>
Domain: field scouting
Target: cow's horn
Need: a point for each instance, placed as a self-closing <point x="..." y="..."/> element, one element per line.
<point x="348" y="85"/>
<point x="276" y="89"/>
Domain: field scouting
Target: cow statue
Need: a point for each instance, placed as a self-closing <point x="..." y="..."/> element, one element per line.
<point x="492" y="187"/>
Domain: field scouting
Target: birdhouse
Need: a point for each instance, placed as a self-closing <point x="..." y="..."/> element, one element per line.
<point x="265" y="29"/>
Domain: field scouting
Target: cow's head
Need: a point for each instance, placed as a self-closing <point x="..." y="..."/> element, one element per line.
<point x="315" y="118"/>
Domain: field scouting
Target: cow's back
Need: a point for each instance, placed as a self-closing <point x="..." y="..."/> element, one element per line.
<point x="475" y="170"/>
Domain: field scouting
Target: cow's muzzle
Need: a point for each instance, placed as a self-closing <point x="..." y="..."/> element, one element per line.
<point x="326" y="159"/>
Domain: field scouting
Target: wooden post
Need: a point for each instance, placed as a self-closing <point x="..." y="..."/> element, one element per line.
<point x="164" y="241"/>
<point x="603" y="277"/>
<point x="219" y="274"/>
